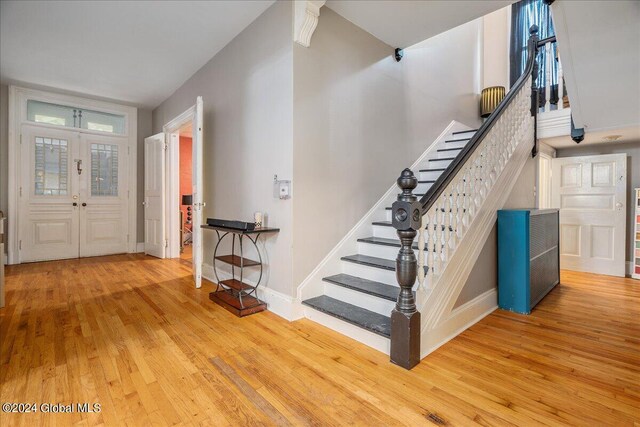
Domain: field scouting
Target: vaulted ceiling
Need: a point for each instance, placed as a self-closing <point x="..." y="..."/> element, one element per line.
<point x="134" y="51"/>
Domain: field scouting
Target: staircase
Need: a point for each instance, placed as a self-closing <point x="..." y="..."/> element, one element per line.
<point x="368" y="276"/>
<point x="384" y="289"/>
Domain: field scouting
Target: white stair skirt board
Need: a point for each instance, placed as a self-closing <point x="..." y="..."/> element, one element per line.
<point x="278" y="303"/>
<point x="459" y="320"/>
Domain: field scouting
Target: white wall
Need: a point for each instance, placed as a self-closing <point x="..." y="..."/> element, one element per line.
<point x="496" y="31"/>
<point x="248" y="101"/>
<point x="484" y="275"/>
<point x="360" y="117"/>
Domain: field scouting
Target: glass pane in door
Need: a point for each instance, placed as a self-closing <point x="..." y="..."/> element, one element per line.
<point x="51" y="157"/>
<point x="104" y="170"/>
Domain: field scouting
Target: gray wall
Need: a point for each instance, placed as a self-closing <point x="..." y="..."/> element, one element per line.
<point x="484" y="275"/>
<point x="360" y="117"/>
<point x="248" y="101"/>
<point x="632" y="149"/>
<point x="144" y="130"/>
<point x="4" y="146"/>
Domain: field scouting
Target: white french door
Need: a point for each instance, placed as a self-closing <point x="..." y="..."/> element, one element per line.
<point x="73" y="194"/>
<point x="591" y="194"/>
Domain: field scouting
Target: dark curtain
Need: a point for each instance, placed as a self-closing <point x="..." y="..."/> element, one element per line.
<point x="524" y="14"/>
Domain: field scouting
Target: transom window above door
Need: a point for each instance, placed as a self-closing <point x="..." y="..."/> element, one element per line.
<point x="74" y="117"/>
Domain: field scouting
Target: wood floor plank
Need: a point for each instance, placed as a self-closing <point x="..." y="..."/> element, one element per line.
<point x="132" y="333"/>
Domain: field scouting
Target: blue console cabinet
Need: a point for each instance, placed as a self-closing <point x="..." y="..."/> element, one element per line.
<point x="528" y="257"/>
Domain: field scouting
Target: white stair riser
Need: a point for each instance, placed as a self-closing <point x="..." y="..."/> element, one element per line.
<point x="370" y="273"/>
<point x="448" y="154"/>
<point x="385" y="232"/>
<point x="352" y="331"/>
<point x="439" y="163"/>
<point x="379" y="251"/>
<point x="458" y="144"/>
<point x="359" y="299"/>
<point x="429" y="176"/>
<point x="422" y="188"/>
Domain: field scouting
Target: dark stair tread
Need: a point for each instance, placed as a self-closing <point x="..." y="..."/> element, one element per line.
<point x="380" y="290"/>
<point x="433" y="170"/>
<point x="441" y="209"/>
<point x="458" y="140"/>
<point x="439" y="160"/>
<point x="371" y="261"/>
<point x="464" y="131"/>
<point x="450" y="149"/>
<point x="369" y="320"/>
<point x="390" y="224"/>
<point x="427" y="181"/>
<point x="384" y="242"/>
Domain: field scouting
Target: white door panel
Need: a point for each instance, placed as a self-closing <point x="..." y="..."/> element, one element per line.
<point x="154" y="195"/>
<point x="590" y="192"/>
<point x="197" y="182"/>
<point x="104" y="196"/>
<point x="48" y="222"/>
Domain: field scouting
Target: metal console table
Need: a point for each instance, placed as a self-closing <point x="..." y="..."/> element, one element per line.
<point x="234" y="294"/>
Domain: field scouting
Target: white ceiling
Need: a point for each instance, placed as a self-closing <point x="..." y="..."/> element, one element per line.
<point x="116" y="49"/>
<point x="599" y="45"/>
<point x="403" y="23"/>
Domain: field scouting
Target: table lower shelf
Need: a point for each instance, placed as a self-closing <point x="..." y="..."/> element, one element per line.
<point x="231" y="303"/>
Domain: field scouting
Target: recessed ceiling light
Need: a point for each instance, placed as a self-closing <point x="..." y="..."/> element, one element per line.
<point x="611" y="138"/>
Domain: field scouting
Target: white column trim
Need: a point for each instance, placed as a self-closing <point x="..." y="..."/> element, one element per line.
<point x="305" y="15"/>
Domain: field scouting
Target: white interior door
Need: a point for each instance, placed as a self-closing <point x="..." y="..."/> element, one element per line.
<point x="49" y="194"/>
<point x="197" y="184"/>
<point x="104" y="219"/>
<point x="154" y="196"/>
<point x="590" y="192"/>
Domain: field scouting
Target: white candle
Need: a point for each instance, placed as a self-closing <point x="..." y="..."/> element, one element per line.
<point x="257" y="217"/>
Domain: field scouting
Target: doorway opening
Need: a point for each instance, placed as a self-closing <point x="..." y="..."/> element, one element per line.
<point x="173" y="190"/>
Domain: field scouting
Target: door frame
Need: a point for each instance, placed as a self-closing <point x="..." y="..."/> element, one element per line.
<point x="172" y="207"/>
<point x="18" y="97"/>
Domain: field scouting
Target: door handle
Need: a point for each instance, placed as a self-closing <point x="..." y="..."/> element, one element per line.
<point x="84" y="204"/>
<point x="619" y="205"/>
<point x="75" y="204"/>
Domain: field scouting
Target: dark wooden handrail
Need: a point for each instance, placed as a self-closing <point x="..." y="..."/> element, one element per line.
<point x="450" y="172"/>
<point x="542" y="42"/>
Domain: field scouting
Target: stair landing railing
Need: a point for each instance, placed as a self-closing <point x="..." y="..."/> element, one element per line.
<point x="443" y="215"/>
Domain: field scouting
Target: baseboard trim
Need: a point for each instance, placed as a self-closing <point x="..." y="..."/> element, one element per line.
<point x="278" y="303"/>
<point x="139" y="247"/>
<point x="460" y="319"/>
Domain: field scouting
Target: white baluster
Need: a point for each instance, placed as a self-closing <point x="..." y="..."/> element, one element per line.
<point x="547" y="77"/>
<point x="560" y="84"/>
<point x="421" y="238"/>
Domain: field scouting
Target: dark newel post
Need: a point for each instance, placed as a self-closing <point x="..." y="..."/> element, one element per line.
<point x="405" y="318"/>
<point x="535" y="102"/>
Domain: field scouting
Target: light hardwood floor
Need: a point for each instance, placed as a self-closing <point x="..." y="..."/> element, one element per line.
<point x="131" y="333"/>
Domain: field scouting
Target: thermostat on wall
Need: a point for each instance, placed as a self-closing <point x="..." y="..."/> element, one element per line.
<point x="281" y="188"/>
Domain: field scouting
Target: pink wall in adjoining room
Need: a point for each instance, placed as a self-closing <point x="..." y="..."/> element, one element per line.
<point x="185" y="171"/>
